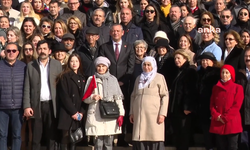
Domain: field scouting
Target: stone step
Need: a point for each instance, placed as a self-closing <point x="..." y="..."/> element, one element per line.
<point x="128" y="148"/>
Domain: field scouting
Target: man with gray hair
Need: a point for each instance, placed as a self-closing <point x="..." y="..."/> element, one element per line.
<point x="189" y="27"/>
<point x="122" y="57"/>
<point x="108" y="15"/>
<point x="98" y="21"/>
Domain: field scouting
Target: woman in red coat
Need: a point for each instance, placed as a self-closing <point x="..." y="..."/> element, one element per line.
<point x="225" y="104"/>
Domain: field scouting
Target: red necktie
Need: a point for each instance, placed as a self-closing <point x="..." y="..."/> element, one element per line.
<point x="116" y="51"/>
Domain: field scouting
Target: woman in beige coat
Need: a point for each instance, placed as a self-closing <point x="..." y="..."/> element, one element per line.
<point x="107" y="89"/>
<point x="148" y="108"/>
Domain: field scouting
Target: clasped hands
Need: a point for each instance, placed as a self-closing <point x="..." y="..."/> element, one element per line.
<point x="220" y="119"/>
<point x="75" y="116"/>
<point x="96" y="97"/>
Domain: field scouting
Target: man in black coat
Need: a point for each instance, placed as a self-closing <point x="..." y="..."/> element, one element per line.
<point x="242" y="78"/>
<point x="174" y="26"/>
<point x="131" y="31"/>
<point x="97" y="21"/>
<point x="226" y="24"/>
<point x="89" y="51"/>
<point x="122" y="58"/>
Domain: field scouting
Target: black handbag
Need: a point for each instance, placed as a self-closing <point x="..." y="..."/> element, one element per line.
<point x="75" y="136"/>
<point x="108" y="110"/>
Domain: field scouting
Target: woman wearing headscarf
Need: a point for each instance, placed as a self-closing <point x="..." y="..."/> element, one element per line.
<point x="182" y="102"/>
<point x="107" y="89"/>
<point x="148" y="108"/>
<point x="225" y="103"/>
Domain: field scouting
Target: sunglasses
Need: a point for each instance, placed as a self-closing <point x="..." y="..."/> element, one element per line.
<point x="28" y="49"/>
<point x="11" y="50"/>
<point x="230" y="39"/>
<point x="45" y="26"/>
<point x="206" y="19"/>
<point x="225" y="16"/>
<point x="243" y="14"/>
<point x="151" y="11"/>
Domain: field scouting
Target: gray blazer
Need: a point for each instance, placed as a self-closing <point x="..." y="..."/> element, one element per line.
<point x="32" y="86"/>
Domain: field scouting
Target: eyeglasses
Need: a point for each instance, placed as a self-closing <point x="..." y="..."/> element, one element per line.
<point x="206" y="19"/>
<point x="243" y="14"/>
<point x="73" y="3"/>
<point x="139" y="48"/>
<point x="45" y="26"/>
<point x="230" y="39"/>
<point x="28" y="49"/>
<point x="151" y="11"/>
<point x="11" y="50"/>
<point x="225" y="16"/>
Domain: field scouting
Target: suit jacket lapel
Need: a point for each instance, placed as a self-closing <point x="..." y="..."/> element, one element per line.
<point x="111" y="49"/>
<point x="122" y="51"/>
<point x="37" y="67"/>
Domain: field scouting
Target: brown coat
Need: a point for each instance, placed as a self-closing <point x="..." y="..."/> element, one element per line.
<point x="146" y="105"/>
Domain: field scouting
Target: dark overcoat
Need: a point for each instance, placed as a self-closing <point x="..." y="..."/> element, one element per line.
<point x="70" y="89"/>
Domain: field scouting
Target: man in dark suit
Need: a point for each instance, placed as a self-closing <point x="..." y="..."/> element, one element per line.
<point x="39" y="100"/>
<point x="122" y="58"/>
<point x="131" y="31"/>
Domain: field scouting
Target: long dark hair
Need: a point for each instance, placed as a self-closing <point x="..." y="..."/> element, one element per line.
<point x="156" y="18"/>
<point x="30" y="19"/>
<point x="68" y="69"/>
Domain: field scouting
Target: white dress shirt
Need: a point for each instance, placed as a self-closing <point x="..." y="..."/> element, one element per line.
<point x="119" y="45"/>
<point x="226" y="53"/>
<point x="45" y="90"/>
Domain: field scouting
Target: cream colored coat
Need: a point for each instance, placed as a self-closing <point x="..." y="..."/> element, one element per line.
<point x="146" y="105"/>
<point x="95" y="125"/>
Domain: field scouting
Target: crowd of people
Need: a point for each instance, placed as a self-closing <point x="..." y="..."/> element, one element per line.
<point x="173" y="68"/>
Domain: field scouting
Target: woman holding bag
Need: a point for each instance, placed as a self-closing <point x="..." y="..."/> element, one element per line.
<point x="107" y="89"/>
<point x="70" y="88"/>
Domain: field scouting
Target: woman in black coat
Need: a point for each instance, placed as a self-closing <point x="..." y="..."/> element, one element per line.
<point x="150" y="24"/>
<point x="70" y="91"/>
<point x="233" y="54"/>
<point x="208" y="76"/>
<point x="182" y="100"/>
<point x="165" y="60"/>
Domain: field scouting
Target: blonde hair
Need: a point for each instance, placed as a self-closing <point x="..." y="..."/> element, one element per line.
<point x="183" y="53"/>
<point x="31" y="14"/>
<point x="17" y="33"/>
<point x="216" y="35"/>
<point x="77" y="20"/>
<point x="61" y="22"/>
<point x="65" y="60"/>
